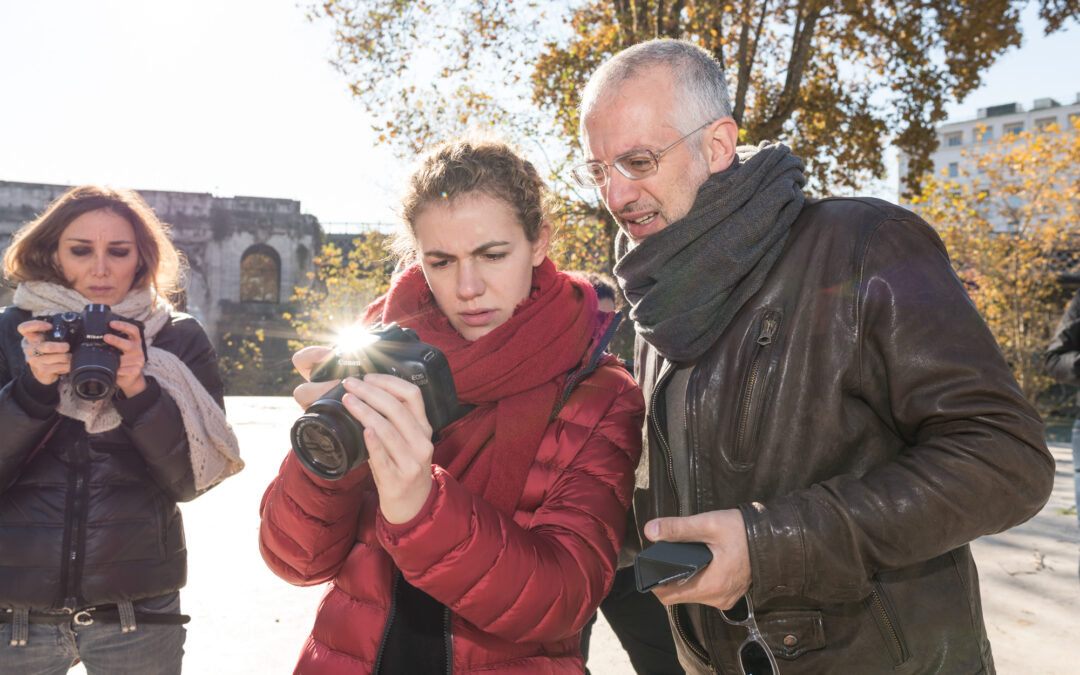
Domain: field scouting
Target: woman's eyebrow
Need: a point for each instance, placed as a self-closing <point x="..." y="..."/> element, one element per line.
<point x="436" y="253"/>
<point x="91" y="241"/>
<point x="485" y="246"/>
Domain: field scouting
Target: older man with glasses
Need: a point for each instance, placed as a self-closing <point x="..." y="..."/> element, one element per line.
<point x="827" y="410"/>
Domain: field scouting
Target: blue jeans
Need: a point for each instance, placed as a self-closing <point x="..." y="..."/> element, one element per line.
<point x="151" y="649"/>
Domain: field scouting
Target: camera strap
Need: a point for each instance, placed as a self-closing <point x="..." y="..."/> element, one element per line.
<point x="142" y="336"/>
<point x="40" y="444"/>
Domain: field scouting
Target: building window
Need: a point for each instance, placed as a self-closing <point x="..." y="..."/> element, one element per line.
<point x="260" y="275"/>
<point x="1014" y="128"/>
<point x="1041" y="124"/>
<point x="985" y="134"/>
<point x="954" y="139"/>
<point x="954" y="170"/>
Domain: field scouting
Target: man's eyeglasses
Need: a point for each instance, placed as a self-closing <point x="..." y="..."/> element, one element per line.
<point x="755" y="657"/>
<point x="635" y="165"/>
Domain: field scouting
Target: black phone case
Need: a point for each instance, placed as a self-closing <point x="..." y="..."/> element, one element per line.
<point x="667" y="561"/>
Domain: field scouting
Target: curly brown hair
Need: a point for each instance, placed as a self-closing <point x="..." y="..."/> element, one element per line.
<point x="474" y="164"/>
<point x="31" y="256"/>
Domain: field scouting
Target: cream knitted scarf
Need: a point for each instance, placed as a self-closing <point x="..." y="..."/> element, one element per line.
<point x="215" y="453"/>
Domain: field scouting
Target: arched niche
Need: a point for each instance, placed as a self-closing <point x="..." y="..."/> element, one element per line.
<point x="260" y="275"/>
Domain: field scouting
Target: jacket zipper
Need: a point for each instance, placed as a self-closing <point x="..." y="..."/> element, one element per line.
<point x="704" y="657"/>
<point x="665" y="374"/>
<point x="449" y="637"/>
<point x="389" y="621"/>
<point x="766" y="334"/>
<point x="76" y="525"/>
<point x="879" y="605"/>
<point x="587" y="368"/>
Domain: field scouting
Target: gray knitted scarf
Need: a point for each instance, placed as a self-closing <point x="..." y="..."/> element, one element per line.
<point x="686" y="282"/>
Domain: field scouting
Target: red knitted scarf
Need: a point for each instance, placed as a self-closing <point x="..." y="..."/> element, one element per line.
<point x="513" y="375"/>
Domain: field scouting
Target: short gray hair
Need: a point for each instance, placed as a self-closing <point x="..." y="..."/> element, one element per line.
<point x="700" y="86"/>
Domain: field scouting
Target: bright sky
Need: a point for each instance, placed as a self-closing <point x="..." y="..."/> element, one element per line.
<point x="232" y="97"/>
<point x="237" y="97"/>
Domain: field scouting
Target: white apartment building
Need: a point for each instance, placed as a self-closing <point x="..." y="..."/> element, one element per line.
<point x="993" y="123"/>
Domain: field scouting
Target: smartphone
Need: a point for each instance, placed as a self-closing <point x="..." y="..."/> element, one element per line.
<point x="668" y="561"/>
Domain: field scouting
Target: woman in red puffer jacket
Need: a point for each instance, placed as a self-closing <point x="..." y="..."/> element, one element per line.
<point x="488" y="548"/>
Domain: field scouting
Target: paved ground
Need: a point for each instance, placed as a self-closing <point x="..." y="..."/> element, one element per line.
<point x="247" y="621"/>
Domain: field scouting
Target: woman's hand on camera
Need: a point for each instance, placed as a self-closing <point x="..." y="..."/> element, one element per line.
<point x="129" y="374"/>
<point x="47" y="360"/>
<point x="304" y="360"/>
<point x="398" y="439"/>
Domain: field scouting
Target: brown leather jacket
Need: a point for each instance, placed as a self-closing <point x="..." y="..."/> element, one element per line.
<point x="861" y="416"/>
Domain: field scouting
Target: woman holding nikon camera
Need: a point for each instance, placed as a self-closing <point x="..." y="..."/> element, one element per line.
<point x="488" y="548"/>
<point x="92" y="463"/>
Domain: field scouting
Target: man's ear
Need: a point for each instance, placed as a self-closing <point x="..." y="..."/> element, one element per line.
<point x="720" y="140"/>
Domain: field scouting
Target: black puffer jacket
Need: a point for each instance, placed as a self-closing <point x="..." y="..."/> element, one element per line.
<point x="92" y="518"/>
<point x="859" y="413"/>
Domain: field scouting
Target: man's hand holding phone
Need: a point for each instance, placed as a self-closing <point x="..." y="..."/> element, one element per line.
<point x="719" y="582"/>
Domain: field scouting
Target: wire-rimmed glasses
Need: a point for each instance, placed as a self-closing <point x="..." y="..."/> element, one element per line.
<point x="755" y="657"/>
<point x="635" y="165"/>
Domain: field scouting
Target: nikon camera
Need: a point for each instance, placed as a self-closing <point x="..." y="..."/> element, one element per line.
<point x="93" y="362"/>
<point x="327" y="439"/>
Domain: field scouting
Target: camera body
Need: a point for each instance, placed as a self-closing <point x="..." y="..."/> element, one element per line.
<point x="327" y="439"/>
<point x="93" y="362"/>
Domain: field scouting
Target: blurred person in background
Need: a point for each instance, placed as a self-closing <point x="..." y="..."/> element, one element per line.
<point x="1062" y="362"/>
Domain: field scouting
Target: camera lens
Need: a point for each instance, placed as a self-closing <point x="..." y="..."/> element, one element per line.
<point x="93" y="371"/>
<point x="92" y="386"/>
<point x="327" y="439"/>
<point x="316" y="438"/>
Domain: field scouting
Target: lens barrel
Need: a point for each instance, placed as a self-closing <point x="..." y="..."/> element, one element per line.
<point x="93" y="371"/>
<point x="327" y="439"/>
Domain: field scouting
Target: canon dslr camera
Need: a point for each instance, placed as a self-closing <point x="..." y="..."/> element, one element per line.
<point x="330" y="441"/>
<point x="93" y="362"/>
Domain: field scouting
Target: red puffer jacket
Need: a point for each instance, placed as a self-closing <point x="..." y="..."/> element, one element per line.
<point x="519" y="591"/>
